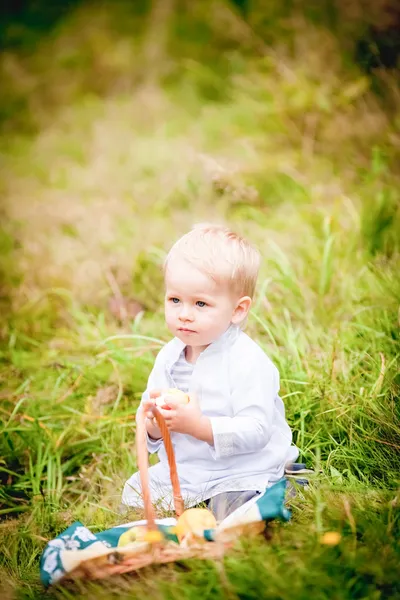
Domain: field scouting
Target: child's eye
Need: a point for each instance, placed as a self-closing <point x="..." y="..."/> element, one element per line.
<point x="201" y="303"/>
<point x="174" y="300"/>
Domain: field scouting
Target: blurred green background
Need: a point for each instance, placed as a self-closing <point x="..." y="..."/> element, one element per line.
<point x="122" y="124"/>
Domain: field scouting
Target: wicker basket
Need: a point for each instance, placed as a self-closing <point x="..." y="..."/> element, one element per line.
<point x="125" y="559"/>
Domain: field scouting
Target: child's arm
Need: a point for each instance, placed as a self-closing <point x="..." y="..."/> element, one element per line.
<point x="155" y="383"/>
<point x="255" y="389"/>
<point x="152" y="428"/>
<point x="189" y="419"/>
<point x="254" y="398"/>
<point x="254" y="401"/>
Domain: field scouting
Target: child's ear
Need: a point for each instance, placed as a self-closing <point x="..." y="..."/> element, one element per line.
<point x="241" y="310"/>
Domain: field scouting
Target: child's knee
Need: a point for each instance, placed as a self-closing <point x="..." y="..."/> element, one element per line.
<point x="224" y="504"/>
<point x="131" y="494"/>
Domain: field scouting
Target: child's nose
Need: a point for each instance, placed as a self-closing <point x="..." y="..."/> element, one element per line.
<point x="186" y="313"/>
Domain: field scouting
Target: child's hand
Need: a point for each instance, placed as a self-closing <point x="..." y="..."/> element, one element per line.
<point x="188" y="419"/>
<point x="151" y="401"/>
<point x="151" y="424"/>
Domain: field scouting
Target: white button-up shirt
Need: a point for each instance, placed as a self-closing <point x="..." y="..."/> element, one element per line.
<point x="237" y="388"/>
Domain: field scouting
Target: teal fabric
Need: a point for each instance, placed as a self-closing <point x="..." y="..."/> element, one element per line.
<point x="77" y="536"/>
<point x="272" y="503"/>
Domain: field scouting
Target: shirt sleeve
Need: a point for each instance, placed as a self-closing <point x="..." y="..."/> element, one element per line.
<point x="156" y="380"/>
<point x="253" y="401"/>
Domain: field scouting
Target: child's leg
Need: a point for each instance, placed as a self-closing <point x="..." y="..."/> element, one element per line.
<point x="224" y="504"/>
<point x="132" y="492"/>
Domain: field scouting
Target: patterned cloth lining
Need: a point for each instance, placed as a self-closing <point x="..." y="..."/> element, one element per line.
<point x="56" y="560"/>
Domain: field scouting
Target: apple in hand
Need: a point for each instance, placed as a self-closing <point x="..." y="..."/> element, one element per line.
<point x="174" y="395"/>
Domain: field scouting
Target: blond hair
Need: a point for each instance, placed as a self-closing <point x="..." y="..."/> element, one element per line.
<point x="220" y="253"/>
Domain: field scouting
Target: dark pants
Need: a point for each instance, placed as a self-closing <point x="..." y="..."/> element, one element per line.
<point x="224" y="504"/>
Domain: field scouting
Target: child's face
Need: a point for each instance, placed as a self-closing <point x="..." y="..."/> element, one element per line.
<point x="197" y="309"/>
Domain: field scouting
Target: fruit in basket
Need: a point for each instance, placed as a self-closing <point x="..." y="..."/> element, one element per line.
<point x="194" y="520"/>
<point x="174" y="395"/>
<point x="139" y="533"/>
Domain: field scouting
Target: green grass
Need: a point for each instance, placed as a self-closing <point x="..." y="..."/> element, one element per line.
<point x="140" y="123"/>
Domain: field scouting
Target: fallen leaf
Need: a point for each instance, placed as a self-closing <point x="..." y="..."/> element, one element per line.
<point x="331" y="538"/>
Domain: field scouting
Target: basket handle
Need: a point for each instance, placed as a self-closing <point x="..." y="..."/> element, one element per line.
<point x="143" y="465"/>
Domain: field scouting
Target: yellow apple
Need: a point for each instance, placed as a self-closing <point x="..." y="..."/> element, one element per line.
<point x="139" y="533"/>
<point x="174" y="395"/>
<point x="194" y="520"/>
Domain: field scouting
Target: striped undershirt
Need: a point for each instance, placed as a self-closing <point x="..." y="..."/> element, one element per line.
<point x="182" y="372"/>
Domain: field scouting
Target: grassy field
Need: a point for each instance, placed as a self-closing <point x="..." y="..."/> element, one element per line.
<point x="121" y="128"/>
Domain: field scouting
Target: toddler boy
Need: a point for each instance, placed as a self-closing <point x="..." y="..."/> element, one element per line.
<point x="231" y="440"/>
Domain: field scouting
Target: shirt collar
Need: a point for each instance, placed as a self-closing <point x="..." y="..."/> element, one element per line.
<point x="226" y="339"/>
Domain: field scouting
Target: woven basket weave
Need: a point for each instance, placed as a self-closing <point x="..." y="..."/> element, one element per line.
<point x="125" y="559"/>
